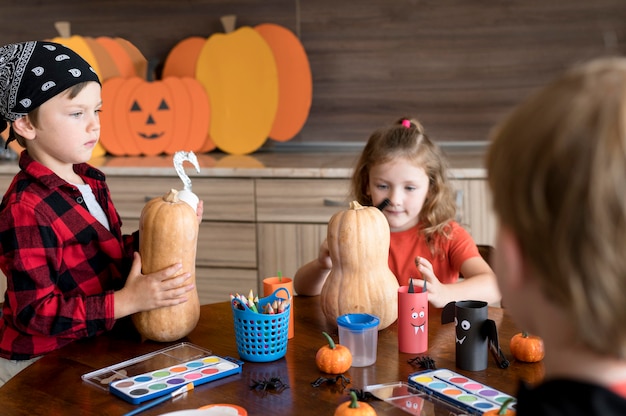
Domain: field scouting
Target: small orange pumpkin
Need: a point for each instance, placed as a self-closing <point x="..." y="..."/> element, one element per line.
<point x="527" y="348"/>
<point x="354" y="407"/>
<point x="333" y="358"/>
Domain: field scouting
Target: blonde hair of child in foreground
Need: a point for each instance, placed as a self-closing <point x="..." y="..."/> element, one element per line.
<point x="557" y="169"/>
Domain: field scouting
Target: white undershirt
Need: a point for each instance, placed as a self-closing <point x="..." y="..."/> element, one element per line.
<point x="92" y="205"/>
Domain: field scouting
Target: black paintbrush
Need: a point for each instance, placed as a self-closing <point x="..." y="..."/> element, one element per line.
<point x="383" y="204"/>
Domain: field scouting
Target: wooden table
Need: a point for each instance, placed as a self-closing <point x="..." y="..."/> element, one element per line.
<point x="53" y="385"/>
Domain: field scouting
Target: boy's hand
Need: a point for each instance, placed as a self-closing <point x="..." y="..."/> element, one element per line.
<point x="200" y="211"/>
<point x="155" y="290"/>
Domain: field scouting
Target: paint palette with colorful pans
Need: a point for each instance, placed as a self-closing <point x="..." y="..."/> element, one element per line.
<point x="461" y="391"/>
<point x="161" y="372"/>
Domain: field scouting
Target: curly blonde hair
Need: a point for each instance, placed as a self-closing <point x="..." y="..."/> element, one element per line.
<point x="557" y="169"/>
<point x="409" y="141"/>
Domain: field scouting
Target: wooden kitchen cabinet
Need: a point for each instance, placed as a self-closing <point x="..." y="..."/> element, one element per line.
<point x="300" y="200"/>
<point x="292" y="217"/>
<point x="226" y="259"/>
<point x="269" y="216"/>
<point x="225" y="199"/>
<point x="291" y="229"/>
<point x="286" y="247"/>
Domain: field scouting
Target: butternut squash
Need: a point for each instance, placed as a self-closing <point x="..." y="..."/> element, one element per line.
<point x="168" y="233"/>
<point x="360" y="280"/>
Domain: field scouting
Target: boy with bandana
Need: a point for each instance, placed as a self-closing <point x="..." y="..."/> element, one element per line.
<point x="70" y="272"/>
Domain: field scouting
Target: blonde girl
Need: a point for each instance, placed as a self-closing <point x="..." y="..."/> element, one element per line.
<point x="402" y="171"/>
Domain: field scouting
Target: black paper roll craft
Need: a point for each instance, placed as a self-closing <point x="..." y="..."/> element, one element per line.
<point x="475" y="334"/>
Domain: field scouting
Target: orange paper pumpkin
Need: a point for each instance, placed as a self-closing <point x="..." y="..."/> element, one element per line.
<point x="150" y="118"/>
<point x="295" y="85"/>
<point x="181" y="60"/>
<point x="258" y="81"/>
<point x="109" y="57"/>
<point x="238" y="71"/>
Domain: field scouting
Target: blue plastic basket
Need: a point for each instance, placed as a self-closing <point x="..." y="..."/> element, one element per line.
<point x="261" y="337"/>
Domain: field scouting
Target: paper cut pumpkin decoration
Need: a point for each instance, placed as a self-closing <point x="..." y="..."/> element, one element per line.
<point x="295" y="85"/>
<point x="258" y="81"/>
<point x="238" y="71"/>
<point x="109" y="57"/>
<point x="150" y="118"/>
<point x="181" y="60"/>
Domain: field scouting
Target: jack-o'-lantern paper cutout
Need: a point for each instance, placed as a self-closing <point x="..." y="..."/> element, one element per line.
<point x="151" y="118"/>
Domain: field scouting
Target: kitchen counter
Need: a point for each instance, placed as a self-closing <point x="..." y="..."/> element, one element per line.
<point x="464" y="163"/>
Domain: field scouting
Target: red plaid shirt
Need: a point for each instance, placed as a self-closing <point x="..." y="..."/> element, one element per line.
<point x="61" y="264"/>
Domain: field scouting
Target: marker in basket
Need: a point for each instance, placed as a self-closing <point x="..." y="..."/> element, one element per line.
<point x="184" y="389"/>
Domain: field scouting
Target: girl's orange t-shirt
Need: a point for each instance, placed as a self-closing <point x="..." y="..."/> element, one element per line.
<point x="619" y="388"/>
<point x="447" y="259"/>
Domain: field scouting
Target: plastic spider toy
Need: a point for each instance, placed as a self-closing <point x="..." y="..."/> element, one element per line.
<point x="332" y="380"/>
<point x="424" y="362"/>
<point x="273" y="385"/>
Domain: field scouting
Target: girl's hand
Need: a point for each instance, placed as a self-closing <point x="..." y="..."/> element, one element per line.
<point x="155" y="290"/>
<point x="437" y="291"/>
<point x="324" y="256"/>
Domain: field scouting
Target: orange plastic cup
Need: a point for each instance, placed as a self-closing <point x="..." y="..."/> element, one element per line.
<point x="270" y="284"/>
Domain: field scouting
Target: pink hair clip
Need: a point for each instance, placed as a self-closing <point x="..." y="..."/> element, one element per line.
<point x="406" y="123"/>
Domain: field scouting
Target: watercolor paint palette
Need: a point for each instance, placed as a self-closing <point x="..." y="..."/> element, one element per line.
<point x="473" y="397"/>
<point x="161" y="372"/>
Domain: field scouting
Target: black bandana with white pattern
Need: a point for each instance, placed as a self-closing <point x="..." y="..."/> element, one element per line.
<point x="33" y="72"/>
